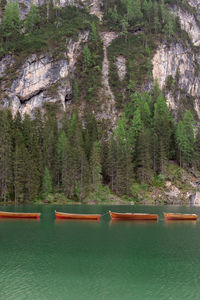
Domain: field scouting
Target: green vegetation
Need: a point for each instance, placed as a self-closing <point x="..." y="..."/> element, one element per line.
<point x="40" y="158"/>
<point x="45" y="28"/>
<point x="138" y="64"/>
<point x="152" y="17"/>
<point x="88" y="69"/>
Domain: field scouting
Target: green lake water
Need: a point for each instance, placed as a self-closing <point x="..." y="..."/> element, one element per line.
<point x="50" y="259"/>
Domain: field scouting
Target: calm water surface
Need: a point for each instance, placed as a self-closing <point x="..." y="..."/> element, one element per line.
<point x="49" y="259"/>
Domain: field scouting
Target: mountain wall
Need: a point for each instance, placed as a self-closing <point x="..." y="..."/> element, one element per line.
<point x="41" y="78"/>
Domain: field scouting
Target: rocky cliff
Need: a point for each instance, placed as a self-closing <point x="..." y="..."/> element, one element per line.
<point x="179" y="62"/>
<point x="41" y="79"/>
<point x="38" y="76"/>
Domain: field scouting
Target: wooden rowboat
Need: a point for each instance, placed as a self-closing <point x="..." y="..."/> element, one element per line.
<point x="62" y="215"/>
<point x="132" y="216"/>
<point x="177" y="216"/>
<point x="4" y="214"/>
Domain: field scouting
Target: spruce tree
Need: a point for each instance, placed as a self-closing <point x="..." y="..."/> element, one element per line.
<point x="162" y="132"/>
<point x="144" y="156"/>
<point x="185" y="139"/>
<point x="60" y="148"/>
<point x="32" y="20"/>
<point x="5" y="155"/>
<point x="11" y="23"/>
<point x="47" y="185"/>
<point x="181" y="142"/>
<point x="112" y="162"/>
<point x="197" y="148"/>
<point x="68" y="170"/>
<point x="95" y="166"/>
<point x="19" y="168"/>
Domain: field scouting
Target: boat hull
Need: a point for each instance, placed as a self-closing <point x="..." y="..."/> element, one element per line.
<point x="61" y="215"/>
<point x="180" y="217"/>
<point x="132" y="216"/>
<point x="4" y="214"/>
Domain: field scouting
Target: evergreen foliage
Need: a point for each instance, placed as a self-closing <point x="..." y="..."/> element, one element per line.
<point x="45" y="27"/>
<point x="38" y="157"/>
<point x="32" y="20"/>
<point x="47" y="186"/>
<point x="11" y="24"/>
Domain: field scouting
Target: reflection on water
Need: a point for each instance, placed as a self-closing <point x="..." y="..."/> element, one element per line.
<point x="132" y="222"/>
<point x="20" y="220"/>
<point x="180" y="222"/>
<point x="84" y="259"/>
<point x="62" y="220"/>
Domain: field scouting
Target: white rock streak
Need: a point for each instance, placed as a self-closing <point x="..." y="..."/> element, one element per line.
<point x="108" y="106"/>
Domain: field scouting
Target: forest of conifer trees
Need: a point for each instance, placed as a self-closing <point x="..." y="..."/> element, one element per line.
<point x="74" y="157"/>
<point x="78" y="157"/>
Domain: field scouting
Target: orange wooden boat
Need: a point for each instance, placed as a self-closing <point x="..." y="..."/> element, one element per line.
<point x="62" y="215"/>
<point x="5" y="214"/>
<point x="132" y="216"/>
<point x="177" y="216"/>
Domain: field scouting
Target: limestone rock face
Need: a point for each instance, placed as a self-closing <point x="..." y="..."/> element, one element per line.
<point x="121" y="66"/>
<point x="180" y="61"/>
<point x="108" y="105"/>
<point x="5" y="63"/>
<point x="94" y="5"/>
<point x="189" y="24"/>
<point x="196" y="199"/>
<point x="42" y="79"/>
<point x="177" y="61"/>
<point x="196" y="5"/>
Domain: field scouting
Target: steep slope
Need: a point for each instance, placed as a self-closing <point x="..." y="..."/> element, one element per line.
<point x="94" y="68"/>
<point x="175" y="65"/>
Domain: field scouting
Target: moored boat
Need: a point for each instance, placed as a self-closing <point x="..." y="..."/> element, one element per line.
<point x="132" y="216"/>
<point x="62" y="215"/>
<point x="178" y="216"/>
<point x="5" y="214"/>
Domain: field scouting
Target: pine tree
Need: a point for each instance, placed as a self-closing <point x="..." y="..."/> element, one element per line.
<point x="76" y="172"/>
<point x="95" y="165"/>
<point x="82" y="171"/>
<point x="124" y="28"/>
<point x="114" y="14"/>
<point x="197" y="149"/>
<point x="60" y="148"/>
<point x="87" y="57"/>
<point x="134" y="12"/>
<point x="94" y="35"/>
<point x="130" y="10"/>
<point x="50" y="136"/>
<point x="112" y="162"/>
<point x="47" y="185"/>
<point x="157" y="25"/>
<point x="33" y="160"/>
<point x="19" y="167"/>
<point x="185" y="139"/>
<point x="181" y="142"/>
<point x="163" y="11"/>
<point x="90" y="133"/>
<point x="162" y="132"/>
<point x="145" y="8"/>
<point x="5" y="155"/>
<point x="32" y="20"/>
<point x="169" y="26"/>
<point x="11" y="24"/>
<point x="144" y="156"/>
<point x="136" y="124"/>
<point x="120" y="166"/>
